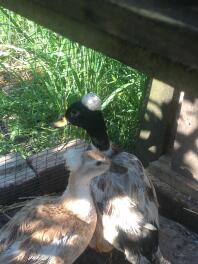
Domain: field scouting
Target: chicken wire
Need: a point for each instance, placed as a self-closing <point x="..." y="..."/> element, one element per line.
<point x="41" y="173"/>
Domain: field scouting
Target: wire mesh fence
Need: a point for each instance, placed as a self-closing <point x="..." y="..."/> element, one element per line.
<point x="42" y="173"/>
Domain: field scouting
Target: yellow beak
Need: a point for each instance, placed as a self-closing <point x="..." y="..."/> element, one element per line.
<point x="60" y="123"/>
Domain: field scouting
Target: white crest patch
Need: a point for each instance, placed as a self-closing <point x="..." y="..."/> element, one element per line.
<point x="92" y="101"/>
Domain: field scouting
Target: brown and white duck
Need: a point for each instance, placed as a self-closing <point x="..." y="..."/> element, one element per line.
<point x="51" y="230"/>
<point x="124" y="196"/>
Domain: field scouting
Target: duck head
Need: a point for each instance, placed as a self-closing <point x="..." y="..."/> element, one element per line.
<point x="87" y="114"/>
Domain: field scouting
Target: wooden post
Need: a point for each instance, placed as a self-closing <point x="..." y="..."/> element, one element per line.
<point x="157" y="122"/>
<point x="185" y="152"/>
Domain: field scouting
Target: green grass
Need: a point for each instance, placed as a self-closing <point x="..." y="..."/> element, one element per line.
<point x="41" y="73"/>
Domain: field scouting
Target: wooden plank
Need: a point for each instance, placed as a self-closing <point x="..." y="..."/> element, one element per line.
<point x="17" y="179"/>
<point x="185" y="152"/>
<point x="163" y="170"/>
<point x="50" y="180"/>
<point x="174" y="204"/>
<point x="11" y="194"/>
<point x="177" y="243"/>
<point x="160" y="40"/>
<point x="42" y="173"/>
<point x="53" y="157"/>
<point x="152" y="24"/>
<point x="14" y="170"/>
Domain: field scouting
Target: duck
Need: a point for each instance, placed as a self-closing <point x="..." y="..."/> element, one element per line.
<point x="56" y="230"/>
<point x="124" y="196"/>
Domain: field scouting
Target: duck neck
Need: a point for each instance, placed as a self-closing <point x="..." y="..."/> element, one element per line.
<point x="100" y="140"/>
<point x="77" y="197"/>
<point x="98" y="134"/>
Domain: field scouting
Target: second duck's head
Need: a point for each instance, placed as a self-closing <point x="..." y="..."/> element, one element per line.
<point x="87" y="114"/>
<point x="89" y="163"/>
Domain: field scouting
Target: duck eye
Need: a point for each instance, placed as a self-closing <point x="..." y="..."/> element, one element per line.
<point x="98" y="163"/>
<point x="75" y="113"/>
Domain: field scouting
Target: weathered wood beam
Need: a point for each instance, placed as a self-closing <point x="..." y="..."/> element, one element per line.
<point x="185" y="149"/>
<point x="156" y="121"/>
<point x="162" y="169"/>
<point x="174" y="204"/>
<point x="157" y="38"/>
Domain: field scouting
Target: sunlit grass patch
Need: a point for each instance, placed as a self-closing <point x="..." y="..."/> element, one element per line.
<point x="41" y="73"/>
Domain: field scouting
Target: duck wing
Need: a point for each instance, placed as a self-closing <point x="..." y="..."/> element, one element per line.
<point x="126" y="202"/>
<point x="40" y="234"/>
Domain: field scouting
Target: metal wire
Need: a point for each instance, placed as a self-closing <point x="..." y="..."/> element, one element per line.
<point x="41" y="173"/>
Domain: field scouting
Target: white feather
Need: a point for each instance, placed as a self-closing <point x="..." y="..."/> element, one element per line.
<point x="91" y="101"/>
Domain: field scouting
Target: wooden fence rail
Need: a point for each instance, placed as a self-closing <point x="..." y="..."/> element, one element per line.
<point x="160" y="38"/>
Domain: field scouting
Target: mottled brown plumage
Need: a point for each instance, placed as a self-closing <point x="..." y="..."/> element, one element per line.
<point x="55" y="230"/>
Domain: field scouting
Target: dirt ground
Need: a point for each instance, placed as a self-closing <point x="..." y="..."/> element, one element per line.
<point x="177" y="243"/>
